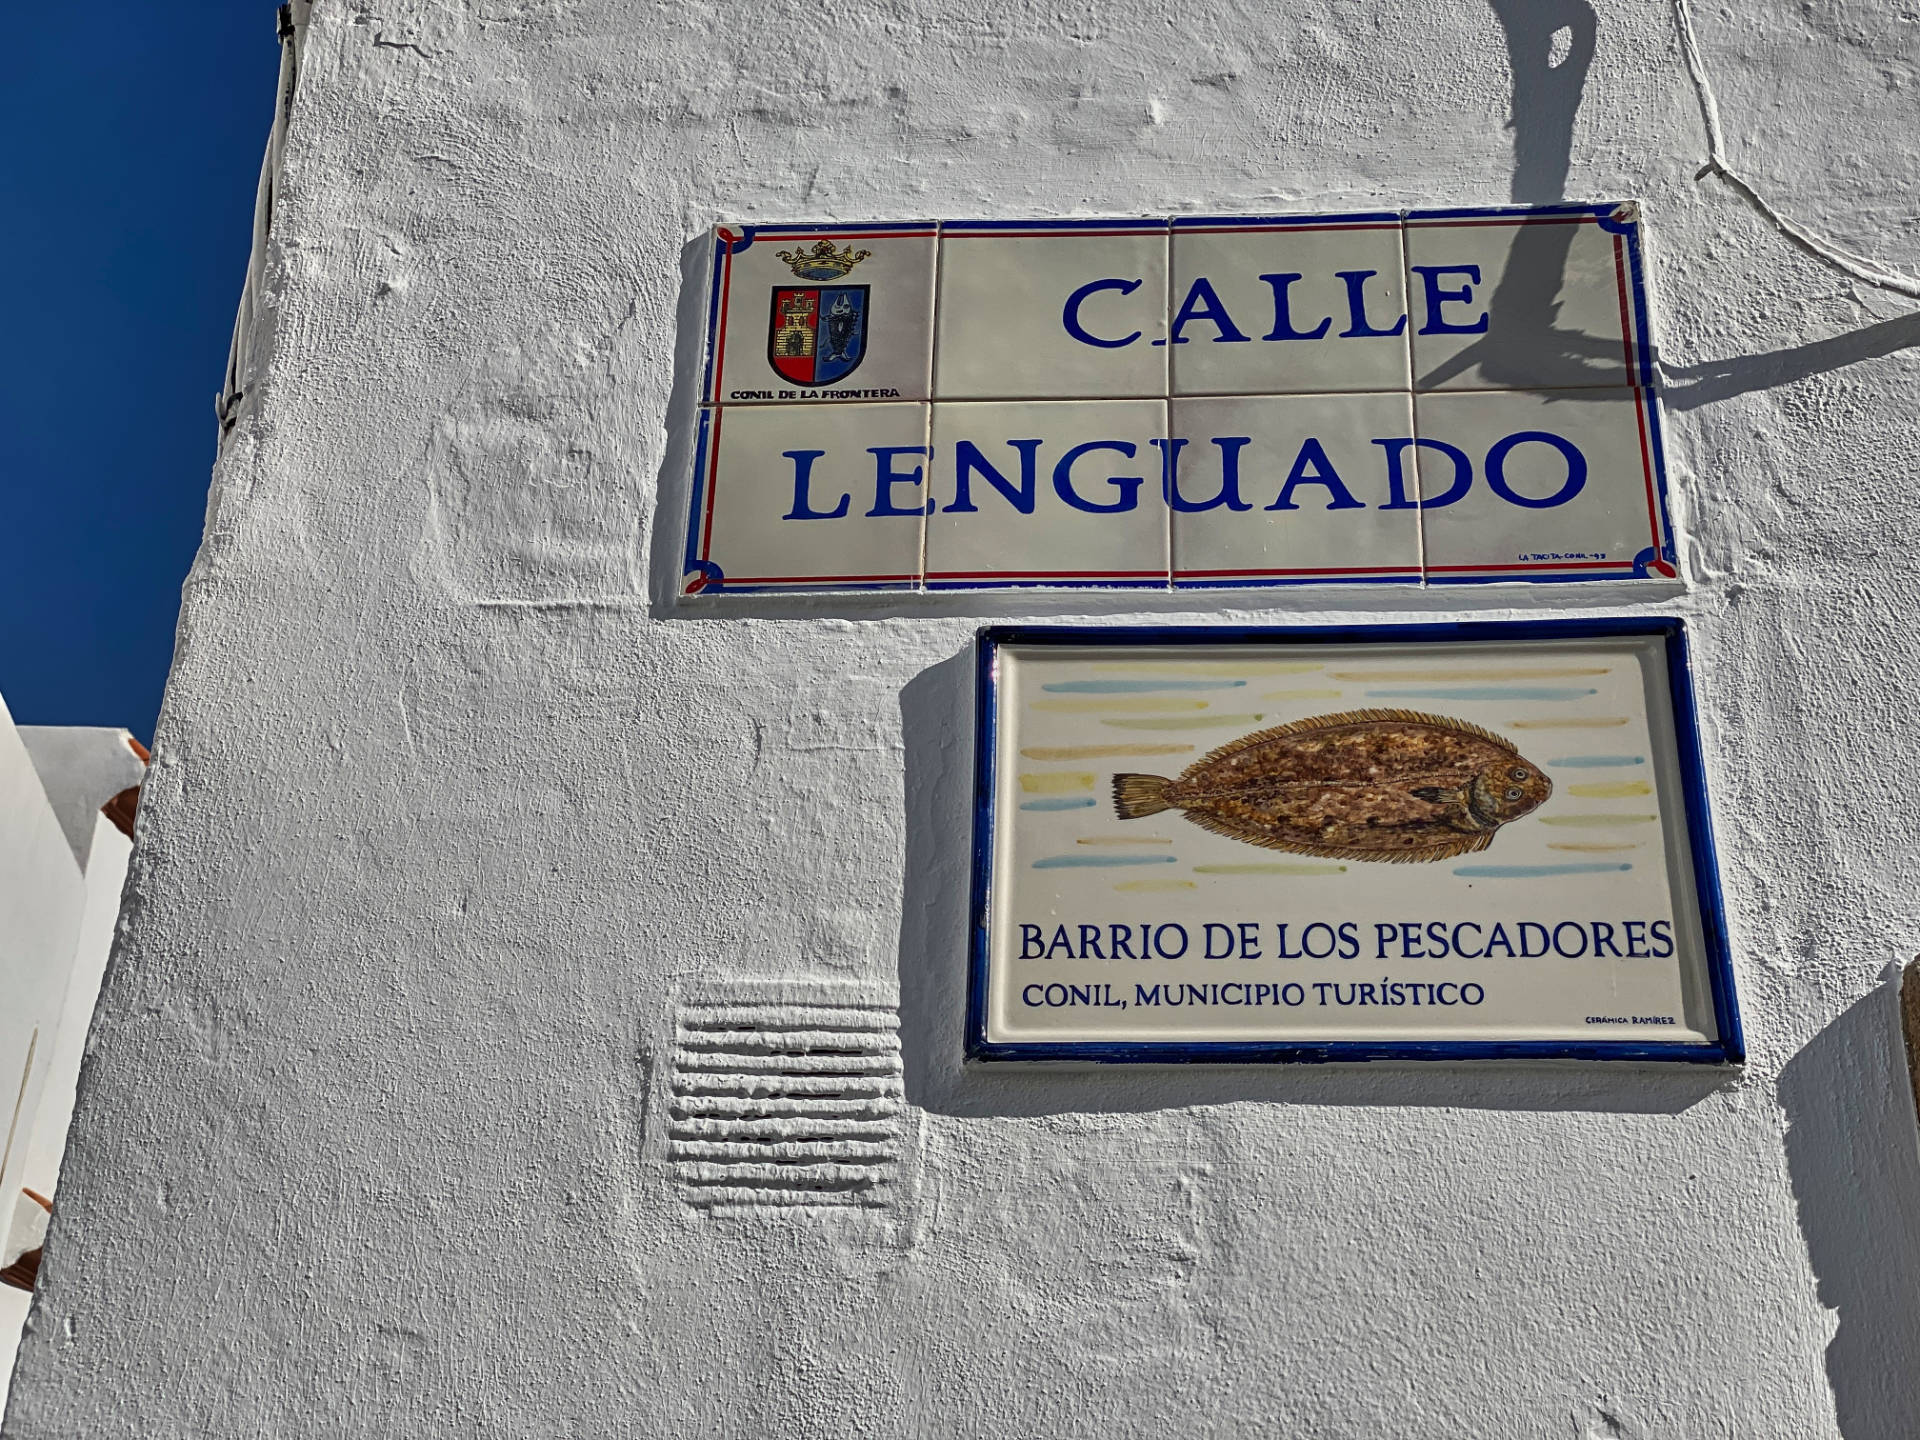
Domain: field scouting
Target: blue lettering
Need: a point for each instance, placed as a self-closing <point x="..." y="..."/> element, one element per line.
<point x="1437" y="323"/>
<point x="1313" y="454"/>
<point x="1282" y="319"/>
<point x="1357" y="308"/>
<point x="968" y="462"/>
<point x="1497" y="469"/>
<point x="1203" y="304"/>
<point x="1397" y="498"/>
<point x="1070" y="316"/>
<point x="1229" y="496"/>
<point x="886" y="477"/>
<point x="1032" y="947"/>
<point x="1127" y="485"/>
<point x="802" y="478"/>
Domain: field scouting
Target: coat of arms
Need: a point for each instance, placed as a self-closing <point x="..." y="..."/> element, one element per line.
<point x="818" y="333"/>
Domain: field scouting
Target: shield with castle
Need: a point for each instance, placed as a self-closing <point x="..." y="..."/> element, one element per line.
<point x="818" y="333"/>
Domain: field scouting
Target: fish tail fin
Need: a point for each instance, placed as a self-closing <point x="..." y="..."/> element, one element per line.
<point x="1137" y="796"/>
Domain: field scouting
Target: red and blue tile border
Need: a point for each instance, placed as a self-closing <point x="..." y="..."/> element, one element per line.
<point x="1656" y="561"/>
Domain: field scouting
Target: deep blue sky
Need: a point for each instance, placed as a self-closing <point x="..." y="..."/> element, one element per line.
<point x="134" y="134"/>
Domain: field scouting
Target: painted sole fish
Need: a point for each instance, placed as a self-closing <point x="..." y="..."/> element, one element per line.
<point x="1389" y="785"/>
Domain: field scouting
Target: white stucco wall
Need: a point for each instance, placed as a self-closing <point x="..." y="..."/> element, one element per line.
<point x="53" y="990"/>
<point x="42" y="901"/>
<point x="449" y="803"/>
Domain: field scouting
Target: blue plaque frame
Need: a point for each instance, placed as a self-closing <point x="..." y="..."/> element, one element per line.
<point x="1728" y="1049"/>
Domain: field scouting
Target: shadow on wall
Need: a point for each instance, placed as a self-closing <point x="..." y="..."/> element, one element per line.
<point x="1550" y="47"/>
<point x="1853" y="1151"/>
<point x="936" y="712"/>
<point x="674" y="488"/>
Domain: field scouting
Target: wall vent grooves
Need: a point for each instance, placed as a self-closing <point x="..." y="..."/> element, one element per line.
<point x="787" y="1105"/>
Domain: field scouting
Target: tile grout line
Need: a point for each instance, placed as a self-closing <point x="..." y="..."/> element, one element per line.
<point x="1413" y="410"/>
<point x="933" y="359"/>
<point x="1169" y="456"/>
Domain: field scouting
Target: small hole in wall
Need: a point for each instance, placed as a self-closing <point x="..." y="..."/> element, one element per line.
<point x="1559" y="47"/>
<point x="787" y="1105"/>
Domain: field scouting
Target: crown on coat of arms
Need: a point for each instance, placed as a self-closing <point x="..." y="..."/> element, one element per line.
<point x="823" y="262"/>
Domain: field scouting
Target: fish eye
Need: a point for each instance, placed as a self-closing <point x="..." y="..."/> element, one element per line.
<point x="1513" y="794"/>
<point x="1518" y="774"/>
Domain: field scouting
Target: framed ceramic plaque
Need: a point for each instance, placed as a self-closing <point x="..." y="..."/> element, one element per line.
<point x="1450" y="841"/>
<point x="1422" y="397"/>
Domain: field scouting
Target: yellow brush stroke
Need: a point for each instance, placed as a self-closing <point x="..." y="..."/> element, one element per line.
<point x="1613" y="790"/>
<point x="1124" y="840"/>
<point x="1059" y="782"/>
<point x="1593" y="849"/>
<point x="1528" y="673"/>
<point x="1139" y="886"/>
<point x="1302" y="695"/>
<point x="1602" y="723"/>
<point x="1094" y="752"/>
<point x="1212" y="667"/>
<point x="1598" y="820"/>
<point x="1269" y="869"/>
<point x="1183" y="722"/>
<point x="1094" y="704"/>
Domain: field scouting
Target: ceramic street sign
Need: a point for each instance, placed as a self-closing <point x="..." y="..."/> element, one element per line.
<point x="1434" y="841"/>
<point x="1435" y="397"/>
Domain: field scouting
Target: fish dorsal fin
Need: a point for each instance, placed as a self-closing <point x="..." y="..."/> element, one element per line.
<point x="1354" y="717"/>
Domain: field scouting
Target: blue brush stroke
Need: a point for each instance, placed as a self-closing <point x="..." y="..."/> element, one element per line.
<point x="1062" y="802"/>
<point x="1528" y="872"/>
<point x="1484" y="692"/>
<point x="1136" y="687"/>
<point x="1074" y="862"/>
<point x="1594" y="762"/>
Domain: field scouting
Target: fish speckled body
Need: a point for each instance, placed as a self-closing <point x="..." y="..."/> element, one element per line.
<point x="1392" y="785"/>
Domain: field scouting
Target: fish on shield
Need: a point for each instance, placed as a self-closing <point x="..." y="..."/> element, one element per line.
<point x="818" y="333"/>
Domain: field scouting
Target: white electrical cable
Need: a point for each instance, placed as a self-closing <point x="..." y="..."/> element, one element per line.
<point x="1845" y="261"/>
